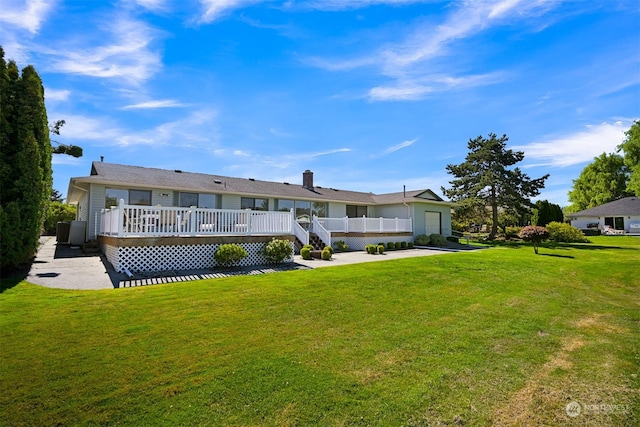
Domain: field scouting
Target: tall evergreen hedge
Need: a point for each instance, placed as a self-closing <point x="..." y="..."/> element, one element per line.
<point x="25" y="163"/>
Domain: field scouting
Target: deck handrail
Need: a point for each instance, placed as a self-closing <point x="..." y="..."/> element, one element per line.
<point x="366" y="225"/>
<point x="157" y="221"/>
<point x="321" y="231"/>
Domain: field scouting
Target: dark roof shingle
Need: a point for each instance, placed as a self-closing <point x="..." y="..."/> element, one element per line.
<point x="626" y="206"/>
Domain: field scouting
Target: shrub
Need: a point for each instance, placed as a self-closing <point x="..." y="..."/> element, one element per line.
<point x="453" y="239"/>
<point x="326" y="253"/>
<point x="380" y="249"/>
<point x="422" y="240"/>
<point x="230" y="254"/>
<point x="410" y="245"/>
<point x="511" y="232"/>
<point x="397" y="245"/>
<point x="391" y="246"/>
<point x="305" y="252"/>
<point x="562" y="232"/>
<point x="403" y="245"/>
<point x="308" y="246"/>
<point x="58" y="212"/>
<point x="277" y="250"/>
<point x="437" y="240"/>
<point x="341" y="246"/>
<point x="329" y="248"/>
<point x="534" y="234"/>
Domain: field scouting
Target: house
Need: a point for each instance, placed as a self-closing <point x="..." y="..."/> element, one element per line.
<point x="157" y="219"/>
<point x="619" y="216"/>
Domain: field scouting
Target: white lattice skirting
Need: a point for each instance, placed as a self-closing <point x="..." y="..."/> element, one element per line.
<point x="177" y="257"/>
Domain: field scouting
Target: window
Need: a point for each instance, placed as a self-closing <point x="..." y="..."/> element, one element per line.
<point x="200" y="200"/>
<point x="303" y="211"/>
<point x="285" y="205"/>
<point x="113" y="196"/>
<point x="130" y="197"/>
<point x="254" y="204"/>
<point x="140" y="197"/>
<point x="615" y="222"/>
<point x="320" y="209"/>
<point x="188" y="199"/>
<point x="354" y="211"/>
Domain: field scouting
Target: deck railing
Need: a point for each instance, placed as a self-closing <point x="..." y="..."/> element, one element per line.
<point x="366" y="225"/>
<point x="128" y="220"/>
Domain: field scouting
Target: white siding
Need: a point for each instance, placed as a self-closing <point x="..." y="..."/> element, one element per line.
<point x="392" y="211"/>
<point x="337" y="210"/>
<point x="231" y="201"/>
<point x="97" y="195"/>
<point x="419" y="209"/>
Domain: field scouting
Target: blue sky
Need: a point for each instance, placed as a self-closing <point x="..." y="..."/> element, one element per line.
<point x="371" y="95"/>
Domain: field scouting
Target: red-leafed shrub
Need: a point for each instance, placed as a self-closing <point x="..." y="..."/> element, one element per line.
<point x="534" y="234"/>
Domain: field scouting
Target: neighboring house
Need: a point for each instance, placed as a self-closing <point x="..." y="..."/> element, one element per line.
<point x="615" y="217"/>
<point x="136" y="207"/>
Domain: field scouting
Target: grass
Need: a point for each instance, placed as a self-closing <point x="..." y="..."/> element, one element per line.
<point x="494" y="337"/>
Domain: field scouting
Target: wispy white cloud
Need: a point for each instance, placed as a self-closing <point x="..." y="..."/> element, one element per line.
<point x="409" y="64"/>
<point x="56" y="94"/>
<point x="215" y="9"/>
<point x="417" y="89"/>
<point x="270" y="161"/>
<point x="194" y="130"/>
<point x="575" y="148"/>
<point x="152" y="5"/>
<point x="159" y="103"/>
<point x="400" y="146"/>
<point x="28" y="15"/>
<point x="129" y="58"/>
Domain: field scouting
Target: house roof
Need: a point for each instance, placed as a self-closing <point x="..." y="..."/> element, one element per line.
<point x="626" y="206"/>
<point x="143" y="177"/>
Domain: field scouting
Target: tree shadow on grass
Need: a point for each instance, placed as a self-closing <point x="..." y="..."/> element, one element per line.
<point x="11" y="278"/>
<point x="558" y="256"/>
<point x="514" y="244"/>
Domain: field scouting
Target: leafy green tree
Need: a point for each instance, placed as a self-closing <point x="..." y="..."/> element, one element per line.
<point x="546" y="212"/>
<point x="602" y="181"/>
<point x="485" y="177"/>
<point x="631" y="149"/>
<point x="58" y="212"/>
<point x="25" y="163"/>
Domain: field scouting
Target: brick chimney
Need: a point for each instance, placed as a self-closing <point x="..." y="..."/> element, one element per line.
<point x="307" y="179"/>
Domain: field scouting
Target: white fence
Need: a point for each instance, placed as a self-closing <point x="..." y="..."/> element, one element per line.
<point x="365" y="225"/>
<point x="128" y="220"/>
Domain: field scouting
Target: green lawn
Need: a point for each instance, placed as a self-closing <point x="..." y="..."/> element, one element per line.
<point x="494" y="337"/>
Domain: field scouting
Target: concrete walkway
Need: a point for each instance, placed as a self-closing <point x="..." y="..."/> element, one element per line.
<point x="65" y="267"/>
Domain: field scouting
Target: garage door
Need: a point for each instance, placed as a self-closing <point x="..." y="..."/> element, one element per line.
<point x="432" y="222"/>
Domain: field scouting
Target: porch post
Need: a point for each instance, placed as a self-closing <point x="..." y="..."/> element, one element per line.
<point x="248" y="221"/>
<point x="120" y="221"/>
<point x="396" y="224"/>
<point x="381" y="226"/>
<point x="364" y="223"/>
<point x="346" y="224"/>
<point x="292" y="222"/>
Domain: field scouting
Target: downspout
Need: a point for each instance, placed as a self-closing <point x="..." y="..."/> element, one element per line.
<point x="404" y="196"/>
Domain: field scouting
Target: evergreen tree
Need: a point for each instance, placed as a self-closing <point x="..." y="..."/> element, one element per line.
<point x="485" y="178"/>
<point x="546" y="212"/>
<point x="25" y="163"/>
